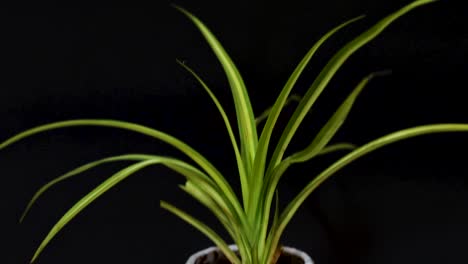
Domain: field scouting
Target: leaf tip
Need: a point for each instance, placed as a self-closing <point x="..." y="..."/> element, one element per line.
<point x="380" y="73"/>
<point x="181" y="9"/>
<point x="176" y="6"/>
<point x="182" y="63"/>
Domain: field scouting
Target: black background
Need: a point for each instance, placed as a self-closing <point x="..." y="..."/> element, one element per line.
<point x="404" y="204"/>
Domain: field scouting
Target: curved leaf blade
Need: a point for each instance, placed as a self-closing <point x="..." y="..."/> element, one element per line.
<point x="265" y="137"/>
<point x="273" y="114"/>
<point x="365" y="149"/>
<point x="176" y="143"/>
<point x="283" y="97"/>
<point x="244" y="112"/>
<point x="78" y="170"/>
<point x="334" y="123"/>
<point x="264" y="115"/>
<point x="104" y="187"/>
<point x="205" y="230"/>
<point x="329" y="71"/>
<point x="337" y="147"/>
<point x="315" y="147"/>
<point x="204" y="196"/>
<point x="240" y="165"/>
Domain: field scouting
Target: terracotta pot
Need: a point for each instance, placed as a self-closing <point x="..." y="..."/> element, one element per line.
<point x="212" y="255"/>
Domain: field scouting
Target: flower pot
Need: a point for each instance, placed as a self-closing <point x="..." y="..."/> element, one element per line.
<point x="213" y="255"/>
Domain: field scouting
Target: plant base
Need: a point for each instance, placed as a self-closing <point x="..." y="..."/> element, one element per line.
<point x="213" y="255"/>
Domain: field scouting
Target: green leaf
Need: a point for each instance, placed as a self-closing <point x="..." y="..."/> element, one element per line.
<point x="195" y="175"/>
<point x="81" y="169"/>
<point x="268" y="241"/>
<point x="203" y="184"/>
<point x="178" y="144"/>
<point x="261" y="155"/>
<point x="337" y="147"/>
<point x="333" y="125"/>
<point x="294" y="205"/>
<point x="221" y="213"/>
<point x="315" y="148"/>
<point x="205" y="197"/>
<point x="219" y="242"/>
<point x="264" y="114"/>
<point x="328" y="72"/>
<point x="321" y="82"/>
<point x="242" y="173"/>
<point x="244" y="112"/>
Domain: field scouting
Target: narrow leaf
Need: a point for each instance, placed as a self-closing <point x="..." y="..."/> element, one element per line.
<point x="264" y="114"/>
<point x="318" y="144"/>
<point x="81" y="169"/>
<point x="324" y="78"/>
<point x="333" y="125"/>
<point x="337" y="147"/>
<point x="294" y="205"/>
<point x="244" y="112"/>
<point x="104" y="187"/>
<point x="205" y="196"/>
<point x="219" y="242"/>
<point x="178" y="144"/>
<point x="240" y="165"/>
<point x="267" y="131"/>
<point x="224" y="216"/>
<point x="328" y="72"/>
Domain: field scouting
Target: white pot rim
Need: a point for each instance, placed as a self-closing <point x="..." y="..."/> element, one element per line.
<point x="290" y="250"/>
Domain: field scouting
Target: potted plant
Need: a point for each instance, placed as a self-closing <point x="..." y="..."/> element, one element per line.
<point x="253" y="221"/>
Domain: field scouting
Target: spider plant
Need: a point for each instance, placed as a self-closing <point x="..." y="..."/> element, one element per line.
<point x="251" y="222"/>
